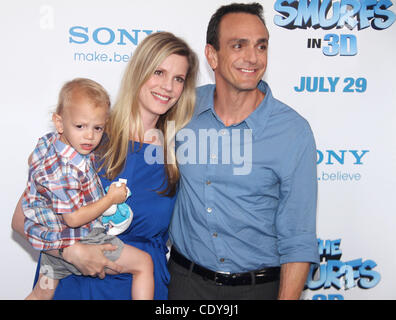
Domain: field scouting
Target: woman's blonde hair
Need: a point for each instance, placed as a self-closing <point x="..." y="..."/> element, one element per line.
<point x="125" y="121"/>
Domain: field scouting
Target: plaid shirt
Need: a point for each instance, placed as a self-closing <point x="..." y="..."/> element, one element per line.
<point x="60" y="181"/>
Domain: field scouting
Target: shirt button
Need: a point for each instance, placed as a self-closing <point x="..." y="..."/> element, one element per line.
<point x="222" y="260"/>
<point x="208" y="182"/>
<point x="215" y="234"/>
<point x="209" y="210"/>
<point x="213" y="156"/>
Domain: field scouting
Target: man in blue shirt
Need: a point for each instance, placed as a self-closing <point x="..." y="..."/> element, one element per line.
<point x="244" y="224"/>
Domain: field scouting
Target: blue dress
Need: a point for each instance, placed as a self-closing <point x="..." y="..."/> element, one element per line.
<point x="148" y="231"/>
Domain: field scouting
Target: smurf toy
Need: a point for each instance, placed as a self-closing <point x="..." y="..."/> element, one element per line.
<point x="119" y="216"/>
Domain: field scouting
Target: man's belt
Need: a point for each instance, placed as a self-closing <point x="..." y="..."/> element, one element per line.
<point x="226" y="278"/>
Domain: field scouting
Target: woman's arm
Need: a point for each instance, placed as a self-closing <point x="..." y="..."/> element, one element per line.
<point x="89" y="259"/>
<point x="18" y="219"/>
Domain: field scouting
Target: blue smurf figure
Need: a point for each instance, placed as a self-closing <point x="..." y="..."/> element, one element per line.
<point x="119" y="216"/>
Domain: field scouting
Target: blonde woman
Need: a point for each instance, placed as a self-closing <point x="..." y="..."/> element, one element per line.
<point x="157" y="91"/>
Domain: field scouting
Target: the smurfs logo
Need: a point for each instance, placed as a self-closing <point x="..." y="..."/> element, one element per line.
<point x="327" y="14"/>
<point x="334" y="273"/>
<point x="330" y="15"/>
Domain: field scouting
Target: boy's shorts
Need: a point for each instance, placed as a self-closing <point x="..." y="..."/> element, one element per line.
<point x="57" y="268"/>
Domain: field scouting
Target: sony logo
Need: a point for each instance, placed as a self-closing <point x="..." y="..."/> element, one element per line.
<point x="338" y="156"/>
<point x="106" y="36"/>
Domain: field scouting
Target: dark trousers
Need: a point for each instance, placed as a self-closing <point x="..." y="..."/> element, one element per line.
<point x="186" y="285"/>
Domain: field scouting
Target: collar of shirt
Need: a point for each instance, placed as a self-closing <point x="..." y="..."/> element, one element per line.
<point x="256" y="121"/>
<point x="70" y="154"/>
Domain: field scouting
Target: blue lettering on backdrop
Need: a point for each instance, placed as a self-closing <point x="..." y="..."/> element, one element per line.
<point x="338" y="156"/>
<point x="315" y="13"/>
<point x="338" y="274"/>
<point x="335" y="158"/>
<point x="73" y="31"/>
<point x="106" y="36"/>
<point x="313" y="84"/>
<point x="109" y="33"/>
<point x="329" y="84"/>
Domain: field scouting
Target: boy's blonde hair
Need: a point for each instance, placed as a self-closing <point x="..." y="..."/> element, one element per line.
<point x="87" y="87"/>
<point x="125" y="121"/>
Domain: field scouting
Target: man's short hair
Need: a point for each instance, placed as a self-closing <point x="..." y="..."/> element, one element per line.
<point x="212" y="33"/>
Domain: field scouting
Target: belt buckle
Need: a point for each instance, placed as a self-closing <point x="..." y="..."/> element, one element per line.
<point x="223" y="275"/>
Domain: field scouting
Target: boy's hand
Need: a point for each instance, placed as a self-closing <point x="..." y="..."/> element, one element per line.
<point x="117" y="194"/>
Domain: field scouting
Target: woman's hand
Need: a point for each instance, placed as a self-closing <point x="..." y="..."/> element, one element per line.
<point x="89" y="258"/>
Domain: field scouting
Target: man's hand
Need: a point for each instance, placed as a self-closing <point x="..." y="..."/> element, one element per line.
<point x="292" y="280"/>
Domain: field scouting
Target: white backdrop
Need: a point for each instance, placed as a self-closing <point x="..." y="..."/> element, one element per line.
<point x="45" y="43"/>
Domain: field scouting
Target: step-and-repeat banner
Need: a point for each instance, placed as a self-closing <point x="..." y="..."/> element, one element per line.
<point x="332" y="61"/>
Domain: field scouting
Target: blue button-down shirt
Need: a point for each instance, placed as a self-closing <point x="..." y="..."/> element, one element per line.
<point x="247" y="195"/>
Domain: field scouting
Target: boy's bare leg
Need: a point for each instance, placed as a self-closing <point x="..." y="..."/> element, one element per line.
<point x="140" y="265"/>
<point x="44" y="289"/>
